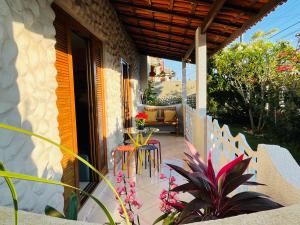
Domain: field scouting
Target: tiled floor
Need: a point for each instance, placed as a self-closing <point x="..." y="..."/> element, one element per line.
<point x="148" y="189"/>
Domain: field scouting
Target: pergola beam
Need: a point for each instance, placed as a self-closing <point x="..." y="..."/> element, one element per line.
<point x="173" y="24"/>
<point x="248" y="12"/>
<point x="213" y="11"/>
<point x="162" y="51"/>
<point x="159" y="46"/>
<point x="167" y="33"/>
<point x="159" y="39"/>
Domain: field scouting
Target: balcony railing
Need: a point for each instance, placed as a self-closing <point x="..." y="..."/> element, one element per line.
<point x="271" y="164"/>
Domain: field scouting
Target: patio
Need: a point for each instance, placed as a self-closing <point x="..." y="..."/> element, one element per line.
<point x="187" y="31"/>
<point x="148" y="189"/>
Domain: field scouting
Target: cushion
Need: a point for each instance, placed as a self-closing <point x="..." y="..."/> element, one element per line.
<point x="169" y="115"/>
<point x="152" y="115"/>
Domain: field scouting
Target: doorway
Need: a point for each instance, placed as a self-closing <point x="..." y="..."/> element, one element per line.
<point x="83" y="101"/>
<point x="80" y="102"/>
<point x="127" y="101"/>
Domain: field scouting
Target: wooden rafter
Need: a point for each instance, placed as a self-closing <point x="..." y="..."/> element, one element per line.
<point x="176" y="25"/>
<point x="164" y="42"/>
<point x="137" y="33"/>
<point x="159" y="46"/>
<point x="213" y="11"/>
<point x="174" y="34"/>
<point x="164" y="27"/>
<point x="247" y="12"/>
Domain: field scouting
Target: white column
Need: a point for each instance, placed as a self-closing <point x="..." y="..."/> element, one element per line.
<point x="184" y="95"/>
<point x="201" y="92"/>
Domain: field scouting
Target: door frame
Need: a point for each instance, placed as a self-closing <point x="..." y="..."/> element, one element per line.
<point x="99" y="120"/>
<point x="129" y="91"/>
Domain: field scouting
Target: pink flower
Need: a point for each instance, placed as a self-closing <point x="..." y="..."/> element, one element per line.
<point x="132" y="184"/>
<point x="173" y="194"/>
<point x="119" y="179"/>
<point x="163" y="194"/>
<point x="131" y="216"/>
<point x="173" y="186"/>
<point x="120" y="190"/>
<point x="172" y="179"/>
<point x="136" y="204"/>
<point x="132" y="191"/>
<point x="120" y="174"/>
<point x="162" y="176"/>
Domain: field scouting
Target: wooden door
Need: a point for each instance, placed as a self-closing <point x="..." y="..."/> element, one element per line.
<point x="66" y="26"/>
<point x="100" y="104"/>
<point x="66" y="101"/>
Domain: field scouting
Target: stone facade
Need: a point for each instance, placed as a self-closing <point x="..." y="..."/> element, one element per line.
<point x="100" y="18"/>
<point x="28" y="84"/>
<point x="28" y="100"/>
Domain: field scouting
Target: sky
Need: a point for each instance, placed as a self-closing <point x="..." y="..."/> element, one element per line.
<point x="285" y="18"/>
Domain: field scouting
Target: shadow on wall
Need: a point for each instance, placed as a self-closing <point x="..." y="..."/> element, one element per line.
<point x="27" y="100"/>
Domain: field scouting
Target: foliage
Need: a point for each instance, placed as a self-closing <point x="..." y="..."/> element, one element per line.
<point x="126" y="189"/>
<point x="12" y="191"/>
<point x="72" y="210"/>
<point x="9" y="175"/>
<point x="247" y="78"/>
<point x="149" y="96"/>
<point x="211" y="192"/>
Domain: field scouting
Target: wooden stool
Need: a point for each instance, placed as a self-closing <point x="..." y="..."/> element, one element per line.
<point x="126" y="151"/>
<point x="148" y="149"/>
<point x="156" y="142"/>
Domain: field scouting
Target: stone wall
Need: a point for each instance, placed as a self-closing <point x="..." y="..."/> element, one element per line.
<point x="100" y="18"/>
<point x="28" y="100"/>
<point x="28" y="84"/>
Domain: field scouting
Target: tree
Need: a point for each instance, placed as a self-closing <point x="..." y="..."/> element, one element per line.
<point x="255" y="72"/>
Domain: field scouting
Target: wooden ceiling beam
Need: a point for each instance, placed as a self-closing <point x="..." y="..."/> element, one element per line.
<point x="154" y="54"/>
<point x="125" y="15"/>
<point x="173" y="34"/>
<point x="238" y="9"/>
<point x="156" y="41"/>
<point x="159" y="46"/>
<point x="212" y="13"/>
<point x="160" y="51"/>
<point x="139" y="35"/>
<point x="158" y="22"/>
<point x="157" y="38"/>
<point x="248" y="12"/>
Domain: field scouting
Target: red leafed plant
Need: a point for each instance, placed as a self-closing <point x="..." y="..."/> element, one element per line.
<point x="141" y="118"/>
<point x="211" y="192"/>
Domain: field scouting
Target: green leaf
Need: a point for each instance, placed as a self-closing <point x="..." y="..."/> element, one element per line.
<point x="13" y="193"/>
<point x="50" y="211"/>
<point x="8" y="174"/>
<point x="70" y="152"/>
<point x="162" y="217"/>
<point x="169" y="220"/>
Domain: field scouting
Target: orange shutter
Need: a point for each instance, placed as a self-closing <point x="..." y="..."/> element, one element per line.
<point x="100" y="96"/>
<point x="65" y="101"/>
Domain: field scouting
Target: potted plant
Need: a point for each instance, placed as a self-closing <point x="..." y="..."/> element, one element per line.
<point x="213" y="193"/>
<point x="140" y="120"/>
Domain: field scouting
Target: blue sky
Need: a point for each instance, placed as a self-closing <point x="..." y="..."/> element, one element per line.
<point x="286" y="18"/>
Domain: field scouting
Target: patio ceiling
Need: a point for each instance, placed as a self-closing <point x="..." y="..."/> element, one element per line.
<point x="166" y="28"/>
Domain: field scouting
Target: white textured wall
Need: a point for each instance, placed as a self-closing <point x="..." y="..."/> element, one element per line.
<point x="28" y="100"/>
<point x="100" y="18"/>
